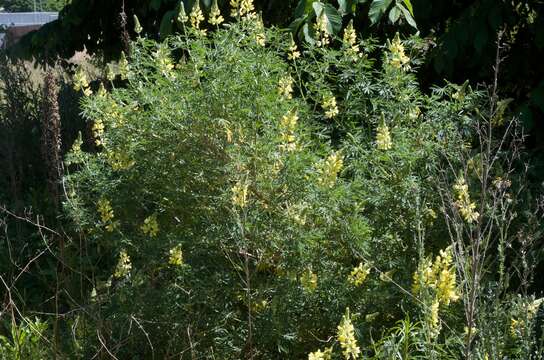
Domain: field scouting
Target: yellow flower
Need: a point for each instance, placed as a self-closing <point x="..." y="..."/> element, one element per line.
<point x="87" y="92"/>
<point x="239" y="194"/>
<point x="215" y="15"/>
<point x="176" y="256"/>
<point x="330" y="169"/>
<point x="514" y="326"/>
<point x="119" y="160"/>
<point x="164" y="62"/>
<point x="321" y="355"/>
<point x="397" y="57"/>
<point x="101" y="91"/>
<point x="124" y="265"/>
<point x="105" y="210"/>
<point x="350" y="41"/>
<point x="123" y="66"/>
<point x="293" y="50"/>
<point x="359" y="274"/>
<point x="414" y="113"/>
<point x="434" y="319"/>
<point x="80" y="81"/>
<point x="346" y="337"/>
<point x="322" y="34"/>
<point x="150" y="226"/>
<point x="439" y="276"/>
<point x="464" y="205"/>
<point x="242" y="8"/>
<point x="182" y="15"/>
<point x="137" y="27"/>
<point x="228" y="133"/>
<point x="110" y="72"/>
<point x="259" y="306"/>
<point x="330" y="107"/>
<point x="350" y="36"/>
<point x="308" y="280"/>
<point x="260" y="39"/>
<point x="196" y="16"/>
<point x="285" y="87"/>
<point x="288" y="126"/>
<point x="98" y="131"/>
<point x="383" y="138"/>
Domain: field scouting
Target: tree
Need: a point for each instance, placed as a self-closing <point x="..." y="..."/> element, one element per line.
<point x="32" y="5"/>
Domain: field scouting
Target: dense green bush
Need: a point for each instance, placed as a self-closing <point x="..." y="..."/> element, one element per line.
<point x="236" y="188"/>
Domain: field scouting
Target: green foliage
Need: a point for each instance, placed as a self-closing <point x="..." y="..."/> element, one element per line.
<point x="32" y="5"/>
<point x="273" y="179"/>
<point x="26" y="341"/>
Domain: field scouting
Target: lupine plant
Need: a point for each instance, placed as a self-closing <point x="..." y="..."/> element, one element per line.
<point x="248" y="196"/>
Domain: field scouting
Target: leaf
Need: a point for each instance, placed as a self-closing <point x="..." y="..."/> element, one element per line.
<point x="408" y="4"/>
<point x="304" y="7"/>
<point x="307" y="36"/>
<point x="167" y="23"/>
<point x="297" y="24"/>
<point x="394" y="14"/>
<point x="334" y="19"/>
<point x="407" y="16"/>
<point x="377" y="9"/>
<point x="344" y="6"/>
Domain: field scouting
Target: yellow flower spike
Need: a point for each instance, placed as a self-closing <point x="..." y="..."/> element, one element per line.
<point x="98" y="131"/>
<point x="285" y="87"/>
<point x="215" y="15"/>
<point x="110" y="72"/>
<point x="359" y="274"/>
<point x="383" y="138"/>
<point x="350" y="36"/>
<point x="101" y="91"/>
<point x="196" y="16"/>
<point x="346" y="338"/>
<point x="434" y="320"/>
<point x="175" y="256"/>
<point x="242" y="8"/>
<point x="288" y="126"/>
<point x="308" y="280"/>
<point x="80" y="81"/>
<point x="87" y="92"/>
<point x="164" y="62"/>
<point x="105" y="210"/>
<point x="467" y="209"/>
<point x="330" y="107"/>
<point x="150" y="226"/>
<point x="182" y="15"/>
<point x="239" y="194"/>
<point x="124" y="67"/>
<point x="323" y="35"/>
<point x="414" y="113"/>
<point x="321" y="355"/>
<point x="350" y="42"/>
<point x="329" y="169"/>
<point x="124" y="265"/>
<point x="293" y="50"/>
<point x="119" y="160"/>
<point x="137" y="27"/>
<point x="397" y="57"/>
